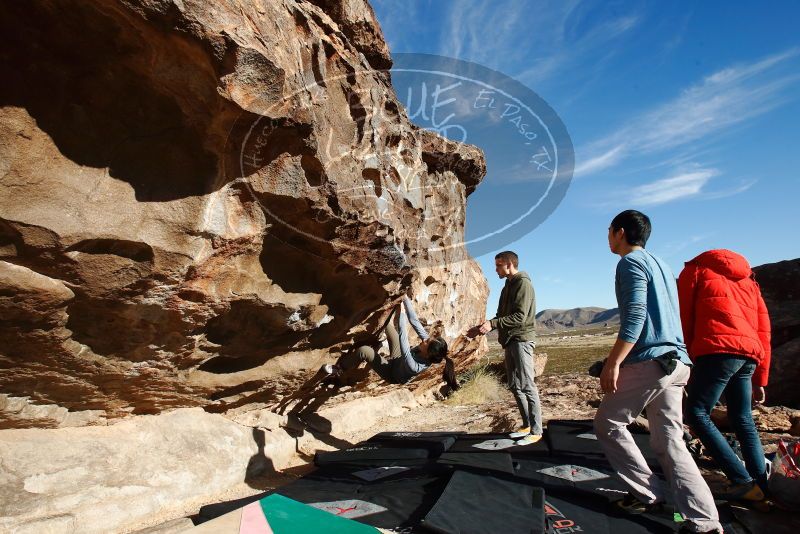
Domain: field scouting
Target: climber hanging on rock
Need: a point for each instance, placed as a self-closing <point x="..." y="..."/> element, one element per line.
<point x="404" y="362"/>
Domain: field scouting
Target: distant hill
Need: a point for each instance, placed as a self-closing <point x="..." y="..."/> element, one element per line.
<point x="576" y="318"/>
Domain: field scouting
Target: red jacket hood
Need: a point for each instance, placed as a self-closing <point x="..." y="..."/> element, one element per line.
<point x="725" y="262"/>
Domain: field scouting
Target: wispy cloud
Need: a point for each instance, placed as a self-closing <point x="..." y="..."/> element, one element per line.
<point x="690" y="182"/>
<point x="680" y="33"/>
<point x="683" y="185"/>
<point x="672" y="248"/>
<point x="722" y="100"/>
<point x="743" y="186"/>
<point x="534" y="44"/>
<point x="601" y="161"/>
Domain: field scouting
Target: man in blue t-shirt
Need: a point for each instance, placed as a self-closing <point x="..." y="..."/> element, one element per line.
<point x="648" y="368"/>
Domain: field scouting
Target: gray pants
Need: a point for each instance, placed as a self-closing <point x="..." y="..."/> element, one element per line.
<point x="365" y="353"/>
<point x="520" y="374"/>
<point x="645" y="385"/>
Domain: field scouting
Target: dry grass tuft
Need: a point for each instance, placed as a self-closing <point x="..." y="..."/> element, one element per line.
<point x="479" y="385"/>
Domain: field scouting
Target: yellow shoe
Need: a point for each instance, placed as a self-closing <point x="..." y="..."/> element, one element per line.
<point x="749" y="492"/>
<point x="530" y="439"/>
<point x="521" y="433"/>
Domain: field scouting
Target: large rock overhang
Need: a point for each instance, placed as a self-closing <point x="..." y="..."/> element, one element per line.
<point x="203" y="201"/>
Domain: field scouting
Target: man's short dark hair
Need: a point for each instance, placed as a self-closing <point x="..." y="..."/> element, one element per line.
<point x="636" y="225"/>
<point x="509" y="256"/>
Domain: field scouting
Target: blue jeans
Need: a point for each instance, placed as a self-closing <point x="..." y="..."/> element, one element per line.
<point x="711" y="376"/>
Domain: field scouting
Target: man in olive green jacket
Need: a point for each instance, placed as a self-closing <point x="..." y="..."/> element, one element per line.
<point x="515" y="323"/>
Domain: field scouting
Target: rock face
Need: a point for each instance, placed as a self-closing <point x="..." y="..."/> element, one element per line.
<point x="114" y="478"/>
<point x="76" y="491"/>
<point x="200" y="199"/>
<point x="780" y="286"/>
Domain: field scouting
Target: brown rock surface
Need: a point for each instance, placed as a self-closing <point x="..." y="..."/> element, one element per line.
<point x="774" y="419"/>
<point x="780" y="286"/>
<point x="202" y="201"/>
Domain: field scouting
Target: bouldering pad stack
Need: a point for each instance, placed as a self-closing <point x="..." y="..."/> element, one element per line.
<point x="455" y="483"/>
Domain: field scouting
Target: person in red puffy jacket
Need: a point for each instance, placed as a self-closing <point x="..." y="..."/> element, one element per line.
<point x="727" y="333"/>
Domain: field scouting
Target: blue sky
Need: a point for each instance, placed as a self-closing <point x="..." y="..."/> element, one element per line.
<point x="687" y="112"/>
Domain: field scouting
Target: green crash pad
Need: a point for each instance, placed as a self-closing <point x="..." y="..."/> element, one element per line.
<point x="287" y="516"/>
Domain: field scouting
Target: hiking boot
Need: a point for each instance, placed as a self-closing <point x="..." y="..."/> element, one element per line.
<point x="521" y="433"/>
<point x="631" y="505"/>
<point x="530" y="439"/>
<point x="749" y="491"/>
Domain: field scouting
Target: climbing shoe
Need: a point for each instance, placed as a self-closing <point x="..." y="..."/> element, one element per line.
<point x="521" y="433"/>
<point x="530" y="439"/>
<point x="749" y="491"/>
<point x="631" y="505"/>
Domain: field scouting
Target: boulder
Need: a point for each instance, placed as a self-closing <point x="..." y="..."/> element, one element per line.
<point x="118" y="477"/>
<point x="201" y="202"/>
<point x="107" y="479"/>
<point x="795" y="428"/>
<point x="780" y="286"/>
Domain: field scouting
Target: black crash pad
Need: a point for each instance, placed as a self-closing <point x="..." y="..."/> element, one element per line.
<point x="482" y="504"/>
